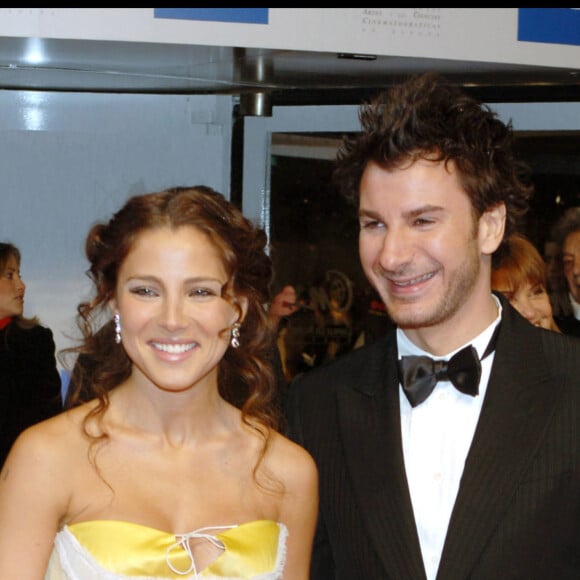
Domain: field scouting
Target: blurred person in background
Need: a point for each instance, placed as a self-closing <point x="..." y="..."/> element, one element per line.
<point x="30" y="388"/>
<point x="554" y="275"/>
<point x="283" y="305"/>
<point x="519" y="273"/>
<point x="567" y="236"/>
<point x="555" y="281"/>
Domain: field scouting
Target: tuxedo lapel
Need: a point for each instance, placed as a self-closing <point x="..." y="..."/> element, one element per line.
<point x="371" y="433"/>
<point x="512" y="420"/>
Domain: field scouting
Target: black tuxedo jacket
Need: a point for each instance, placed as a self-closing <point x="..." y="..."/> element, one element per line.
<point x="568" y="325"/>
<point x="517" y="512"/>
<point x="30" y="387"/>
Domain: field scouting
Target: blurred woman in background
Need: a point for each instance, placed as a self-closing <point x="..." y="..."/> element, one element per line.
<point x="519" y="273"/>
<point x="29" y="380"/>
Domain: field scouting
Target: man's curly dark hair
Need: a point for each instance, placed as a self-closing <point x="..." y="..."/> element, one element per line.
<point x="426" y="117"/>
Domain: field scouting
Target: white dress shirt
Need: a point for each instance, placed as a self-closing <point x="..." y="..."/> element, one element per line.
<point x="436" y="436"/>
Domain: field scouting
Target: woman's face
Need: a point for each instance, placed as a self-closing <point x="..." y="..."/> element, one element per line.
<point x="530" y="300"/>
<point x="12" y="290"/>
<point x="176" y="326"/>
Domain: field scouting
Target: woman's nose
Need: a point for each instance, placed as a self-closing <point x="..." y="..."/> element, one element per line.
<point x="173" y="315"/>
<point x="525" y="308"/>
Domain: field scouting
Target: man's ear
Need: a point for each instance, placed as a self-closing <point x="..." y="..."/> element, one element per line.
<point x="492" y="228"/>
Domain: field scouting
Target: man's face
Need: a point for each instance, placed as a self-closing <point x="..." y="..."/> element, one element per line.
<point x="421" y="246"/>
<point x="571" y="263"/>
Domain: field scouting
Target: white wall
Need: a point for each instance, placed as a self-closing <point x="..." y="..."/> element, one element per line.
<point x="477" y="34"/>
<point x="70" y="159"/>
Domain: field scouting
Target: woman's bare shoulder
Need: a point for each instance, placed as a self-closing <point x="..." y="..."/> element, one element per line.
<point x="37" y="475"/>
<point x="52" y="440"/>
<point x="291" y="460"/>
<point x="298" y="506"/>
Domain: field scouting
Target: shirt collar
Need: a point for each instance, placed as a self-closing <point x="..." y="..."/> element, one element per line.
<point x="575" y="306"/>
<point x="480" y="342"/>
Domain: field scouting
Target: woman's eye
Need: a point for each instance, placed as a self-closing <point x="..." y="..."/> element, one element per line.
<point x="538" y="290"/>
<point x="143" y="291"/>
<point x="203" y="292"/>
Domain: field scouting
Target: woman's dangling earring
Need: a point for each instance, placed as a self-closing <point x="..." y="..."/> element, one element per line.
<point x="117" y="319"/>
<point x="235" y="342"/>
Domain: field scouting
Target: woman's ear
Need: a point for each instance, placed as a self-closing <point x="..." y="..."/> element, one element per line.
<point x="492" y="228"/>
<point x="242" y="302"/>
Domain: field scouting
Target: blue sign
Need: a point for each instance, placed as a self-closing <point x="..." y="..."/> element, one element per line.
<point x="240" y="15"/>
<point x="553" y="25"/>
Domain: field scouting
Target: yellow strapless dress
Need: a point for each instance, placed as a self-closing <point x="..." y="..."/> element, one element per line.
<point x="117" y="550"/>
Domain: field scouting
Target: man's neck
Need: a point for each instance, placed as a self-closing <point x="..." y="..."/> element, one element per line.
<point x="448" y="337"/>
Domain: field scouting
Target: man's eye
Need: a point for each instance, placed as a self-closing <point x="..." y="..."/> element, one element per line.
<point x="367" y="225"/>
<point x="422" y="221"/>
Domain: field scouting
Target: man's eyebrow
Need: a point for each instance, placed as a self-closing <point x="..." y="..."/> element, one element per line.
<point x="368" y="213"/>
<point x="408" y="214"/>
<point x="424" y="209"/>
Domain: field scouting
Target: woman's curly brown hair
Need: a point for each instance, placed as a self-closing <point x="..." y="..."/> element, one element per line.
<point x="245" y="375"/>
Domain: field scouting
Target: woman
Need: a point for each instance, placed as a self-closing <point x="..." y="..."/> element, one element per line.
<point x="519" y="273"/>
<point x="175" y="469"/>
<point x="29" y="381"/>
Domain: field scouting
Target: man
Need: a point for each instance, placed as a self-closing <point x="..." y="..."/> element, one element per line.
<point x="478" y="483"/>
<point x="567" y="234"/>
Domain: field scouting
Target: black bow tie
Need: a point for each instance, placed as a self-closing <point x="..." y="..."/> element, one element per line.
<point x="419" y="374"/>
